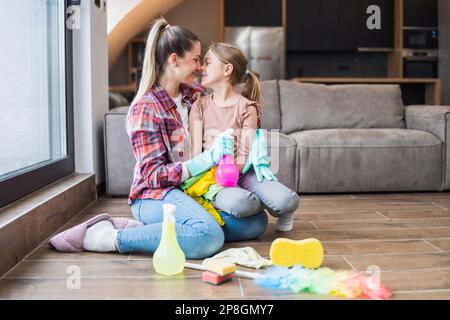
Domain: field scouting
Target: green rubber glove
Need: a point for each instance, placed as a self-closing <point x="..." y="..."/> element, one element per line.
<point x="258" y="159"/>
<point x="224" y="144"/>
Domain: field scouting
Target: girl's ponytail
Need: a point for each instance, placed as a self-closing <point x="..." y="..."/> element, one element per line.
<point x="252" y="88"/>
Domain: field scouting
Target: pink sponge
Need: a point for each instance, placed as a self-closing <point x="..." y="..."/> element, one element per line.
<point x="214" y="278"/>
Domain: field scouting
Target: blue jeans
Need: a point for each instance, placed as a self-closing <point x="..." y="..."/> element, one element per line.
<point x="198" y="234"/>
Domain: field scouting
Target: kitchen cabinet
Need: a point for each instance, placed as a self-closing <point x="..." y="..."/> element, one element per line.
<point x="263" y="13"/>
<point x="337" y="25"/>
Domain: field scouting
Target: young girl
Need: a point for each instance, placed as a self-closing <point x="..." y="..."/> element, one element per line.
<point x="224" y="69"/>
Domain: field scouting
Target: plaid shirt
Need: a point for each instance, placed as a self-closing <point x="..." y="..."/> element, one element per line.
<point x="156" y="132"/>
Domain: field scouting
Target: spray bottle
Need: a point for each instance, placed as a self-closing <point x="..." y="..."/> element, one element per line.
<point x="168" y="258"/>
<point x="227" y="174"/>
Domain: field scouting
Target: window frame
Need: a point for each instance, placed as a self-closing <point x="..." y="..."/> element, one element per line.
<point x="16" y="187"/>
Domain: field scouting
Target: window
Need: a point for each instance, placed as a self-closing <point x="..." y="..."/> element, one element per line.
<point x="36" y="126"/>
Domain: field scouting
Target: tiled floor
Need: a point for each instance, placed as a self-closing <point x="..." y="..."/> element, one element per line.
<point x="407" y="235"/>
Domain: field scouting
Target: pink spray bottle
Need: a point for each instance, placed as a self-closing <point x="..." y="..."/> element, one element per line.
<point x="227" y="174"/>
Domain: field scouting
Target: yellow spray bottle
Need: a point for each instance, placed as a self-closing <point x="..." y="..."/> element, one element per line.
<point x="168" y="258"/>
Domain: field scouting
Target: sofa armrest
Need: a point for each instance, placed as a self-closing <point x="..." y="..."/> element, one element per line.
<point x="119" y="158"/>
<point x="435" y="120"/>
<point x="282" y="152"/>
<point x="432" y="119"/>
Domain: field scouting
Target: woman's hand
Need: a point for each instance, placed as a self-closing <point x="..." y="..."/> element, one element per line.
<point x="224" y="144"/>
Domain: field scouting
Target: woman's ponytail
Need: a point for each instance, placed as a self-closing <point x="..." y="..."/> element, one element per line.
<point x="163" y="40"/>
<point x="150" y="68"/>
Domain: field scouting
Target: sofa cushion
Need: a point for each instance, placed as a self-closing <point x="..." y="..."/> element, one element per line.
<point x="117" y="100"/>
<point x="309" y="106"/>
<point x="270" y="105"/>
<point x="368" y="160"/>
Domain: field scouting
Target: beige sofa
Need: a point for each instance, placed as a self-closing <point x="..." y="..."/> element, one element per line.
<point x="330" y="138"/>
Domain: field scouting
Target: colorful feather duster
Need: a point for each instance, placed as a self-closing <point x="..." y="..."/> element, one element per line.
<point x="323" y="281"/>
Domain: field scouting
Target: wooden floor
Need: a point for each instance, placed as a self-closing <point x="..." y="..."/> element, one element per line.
<point x="406" y="235"/>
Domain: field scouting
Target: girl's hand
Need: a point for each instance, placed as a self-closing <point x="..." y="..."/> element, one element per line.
<point x="259" y="160"/>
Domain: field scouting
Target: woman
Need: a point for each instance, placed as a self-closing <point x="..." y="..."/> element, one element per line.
<point x="157" y="124"/>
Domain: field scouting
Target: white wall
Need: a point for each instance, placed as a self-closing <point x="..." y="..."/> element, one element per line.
<point x="199" y="16"/>
<point x="90" y="48"/>
<point x="117" y="9"/>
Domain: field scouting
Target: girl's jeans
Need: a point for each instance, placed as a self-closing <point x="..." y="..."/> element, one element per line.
<point x="252" y="196"/>
<point x="198" y="234"/>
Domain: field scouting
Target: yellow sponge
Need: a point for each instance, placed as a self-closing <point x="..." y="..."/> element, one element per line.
<point x="220" y="267"/>
<point x="307" y="253"/>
